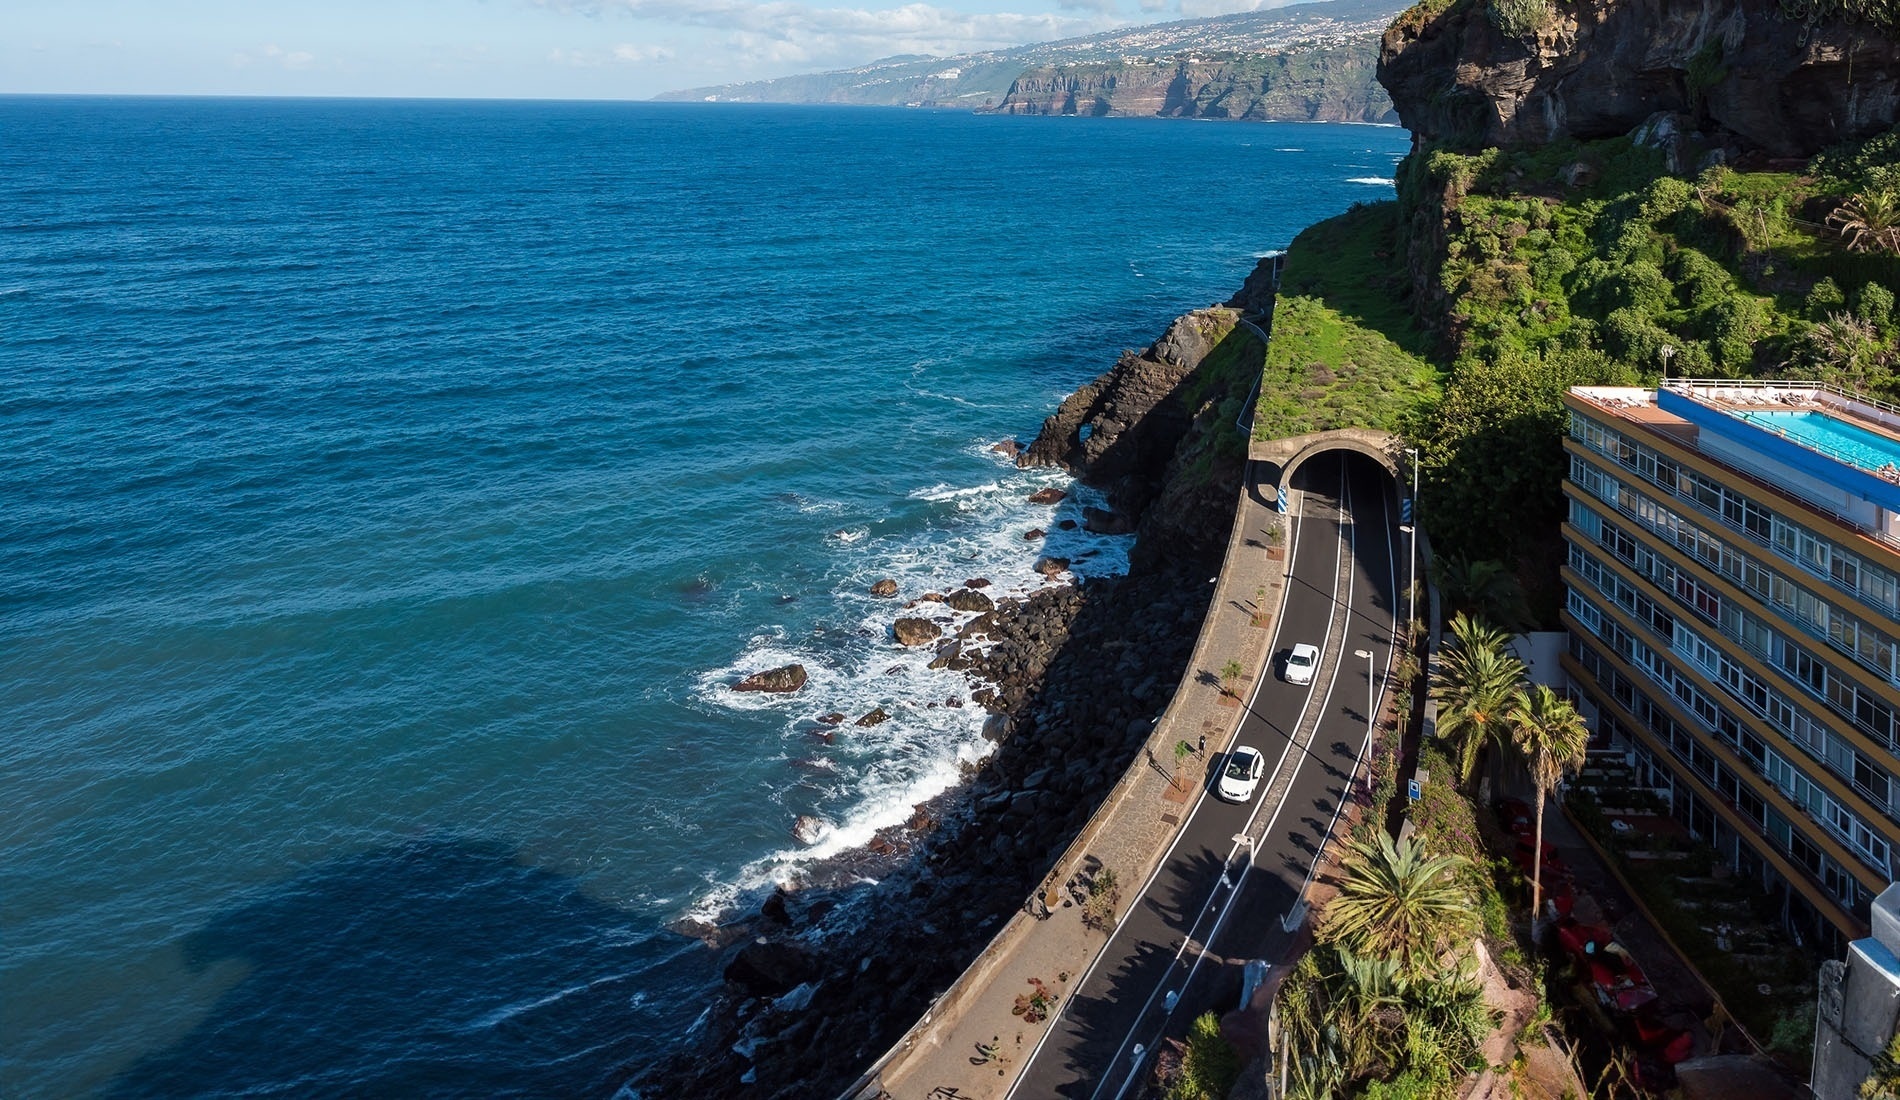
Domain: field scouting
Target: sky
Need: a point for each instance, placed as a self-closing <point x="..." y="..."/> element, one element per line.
<point x="527" y="49"/>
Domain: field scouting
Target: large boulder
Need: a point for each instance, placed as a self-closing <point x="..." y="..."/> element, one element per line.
<point x="964" y="599"/>
<point x="915" y="631"/>
<point x="785" y="678"/>
<point x="1049" y="567"/>
<point x="1048" y="496"/>
<point x="884" y="588"/>
<point x="767" y="968"/>
<point x="1101" y="521"/>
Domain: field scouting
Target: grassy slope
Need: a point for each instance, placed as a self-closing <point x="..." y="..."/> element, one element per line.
<point x="1532" y="286"/>
<point x="1345" y="351"/>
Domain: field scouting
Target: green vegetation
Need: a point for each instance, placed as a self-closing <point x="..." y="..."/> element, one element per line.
<point x="1551" y="736"/>
<point x="1883" y="1079"/>
<point x="1460" y="314"/>
<point x="1209" y="1065"/>
<point x="1345" y="353"/>
<point x="1520" y="18"/>
<point x="1383" y="1005"/>
<point x="1884" y="14"/>
<point x="1476" y="684"/>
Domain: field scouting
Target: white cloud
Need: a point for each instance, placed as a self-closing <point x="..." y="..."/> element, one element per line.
<point x="272" y="54"/>
<point x="788" y="32"/>
<point x="628" y="52"/>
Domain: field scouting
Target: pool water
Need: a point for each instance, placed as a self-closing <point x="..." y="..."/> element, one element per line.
<point x="1831" y="436"/>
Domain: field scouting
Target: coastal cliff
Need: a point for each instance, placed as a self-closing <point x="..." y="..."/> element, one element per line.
<point x="1479" y="73"/>
<point x="1328" y="85"/>
<point x="830" y="971"/>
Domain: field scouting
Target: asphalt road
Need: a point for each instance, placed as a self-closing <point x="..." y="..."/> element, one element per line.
<point x="1181" y="946"/>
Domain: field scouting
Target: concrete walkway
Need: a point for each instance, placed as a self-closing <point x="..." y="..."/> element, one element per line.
<point x="945" y="1055"/>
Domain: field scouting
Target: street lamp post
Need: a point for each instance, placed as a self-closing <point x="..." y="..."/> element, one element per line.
<point x="1371" y="701"/>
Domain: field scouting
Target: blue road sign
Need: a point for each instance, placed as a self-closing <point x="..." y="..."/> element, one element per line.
<point x="1411" y="789"/>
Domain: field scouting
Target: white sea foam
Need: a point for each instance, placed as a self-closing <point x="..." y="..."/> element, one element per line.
<point x="1375" y="181"/>
<point x="869" y="778"/>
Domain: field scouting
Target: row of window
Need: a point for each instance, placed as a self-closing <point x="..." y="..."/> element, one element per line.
<point x="1690" y="809"/>
<point x="1868" y="646"/>
<point x="1874" y="584"/>
<point x="1854" y="702"/>
<point x="1763" y="699"/>
<point x="1686" y="745"/>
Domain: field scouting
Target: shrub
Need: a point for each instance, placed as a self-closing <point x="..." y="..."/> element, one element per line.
<point x="1520" y="18"/>
<point x="1210" y="1065"/>
<point x="1823" y="299"/>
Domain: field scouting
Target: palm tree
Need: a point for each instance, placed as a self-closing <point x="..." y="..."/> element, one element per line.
<point x="1551" y="735"/>
<point x="1398" y="903"/>
<point x="1475" y="682"/>
<point x="1870" y="220"/>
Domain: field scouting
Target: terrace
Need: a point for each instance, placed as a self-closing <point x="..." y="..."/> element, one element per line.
<point x="1834" y="452"/>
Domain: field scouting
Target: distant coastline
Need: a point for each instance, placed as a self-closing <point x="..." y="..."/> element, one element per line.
<point x="1309" y="62"/>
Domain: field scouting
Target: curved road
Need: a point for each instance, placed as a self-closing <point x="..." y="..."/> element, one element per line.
<point x="1180" y="946"/>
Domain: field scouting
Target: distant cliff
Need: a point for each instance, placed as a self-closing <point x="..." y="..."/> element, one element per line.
<point x="1751" y="74"/>
<point x="1326" y="85"/>
<point x="1305" y="62"/>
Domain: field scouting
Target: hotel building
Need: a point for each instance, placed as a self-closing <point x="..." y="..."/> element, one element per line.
<point x="1733" y="575"/>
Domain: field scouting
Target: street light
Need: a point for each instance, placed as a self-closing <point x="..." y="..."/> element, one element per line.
<point x="1370" y="701"/>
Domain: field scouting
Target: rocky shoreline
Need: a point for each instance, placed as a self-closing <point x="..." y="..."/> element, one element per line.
<point x="822" y="979"/>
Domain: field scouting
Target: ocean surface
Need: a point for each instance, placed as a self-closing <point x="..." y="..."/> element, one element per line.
<point x="390" y="491"/>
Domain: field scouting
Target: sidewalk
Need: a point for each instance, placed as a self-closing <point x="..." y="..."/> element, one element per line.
<point x="939" y="1058"/>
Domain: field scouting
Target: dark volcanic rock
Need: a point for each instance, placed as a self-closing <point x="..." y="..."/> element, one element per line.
<point x="964" y="599"/>
<point x="1104" y="522"/>
<point x="778" y="680"/>
<point x="1048" y="496"/>
<point x="1070" y="677"/>
<point x="771" y="968"/>
<point x="1008" y="448"/>
<point x="885" y="587"/>
<point x="1049" y="567"/>
<point x="876" y="716"/>
<point x="1033" y="534"/>
<point x="977" y="582"/>
<point x="915" y="631"/>
<point x="1600" y="68"/>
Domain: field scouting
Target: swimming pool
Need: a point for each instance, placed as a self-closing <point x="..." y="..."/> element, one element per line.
<point x="1829" y="435"/>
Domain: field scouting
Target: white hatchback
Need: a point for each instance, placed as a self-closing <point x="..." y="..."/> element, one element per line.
<point x="1301" y="662"/>
<point x="1240" y="774"/>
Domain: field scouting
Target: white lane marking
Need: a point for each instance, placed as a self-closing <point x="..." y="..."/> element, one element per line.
<point x="1365" y="742"/>
<point x="1293" y="559"/>
<point x="1345" y="790"/>
<point x="1212" y="904"/>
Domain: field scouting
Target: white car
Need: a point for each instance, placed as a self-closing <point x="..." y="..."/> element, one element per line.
<point x="1240" y="774"/>
<point x="1300" y="664"/>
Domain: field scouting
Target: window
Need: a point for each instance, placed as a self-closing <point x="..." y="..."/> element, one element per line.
<point x="1871" y="781"/>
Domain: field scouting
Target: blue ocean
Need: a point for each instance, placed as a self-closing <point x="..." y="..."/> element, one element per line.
<point x="390" y="492"/>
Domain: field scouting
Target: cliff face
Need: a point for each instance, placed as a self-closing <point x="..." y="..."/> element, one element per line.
<point x="1738" y="70"/>
<point x="1330" y="85"/>
<point x="1156" y="433"/>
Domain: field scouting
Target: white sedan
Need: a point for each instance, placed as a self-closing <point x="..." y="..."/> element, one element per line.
<point x="1240" y="774"/>
<point x="1301" y="662"/>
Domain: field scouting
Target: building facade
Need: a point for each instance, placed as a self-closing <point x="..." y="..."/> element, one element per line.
<point x="1733" y="602"/>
